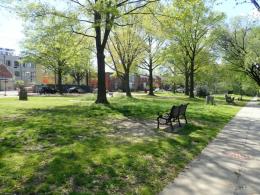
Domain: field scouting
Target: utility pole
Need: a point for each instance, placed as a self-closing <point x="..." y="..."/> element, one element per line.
<point x="5" y="86"/>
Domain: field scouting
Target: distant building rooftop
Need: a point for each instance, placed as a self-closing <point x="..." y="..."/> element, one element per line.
<point x="6" y="51"/>
<point x="4" y="72"/>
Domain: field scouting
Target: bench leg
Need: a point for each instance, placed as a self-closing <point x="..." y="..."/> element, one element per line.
<point x="171" y="125"/>
<point x="179" y="121"/>
<point x="158" y="123"/>
<point x="185" y="119"/>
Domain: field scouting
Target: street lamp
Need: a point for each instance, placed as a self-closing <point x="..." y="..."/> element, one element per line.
<point x="5" y="86"/>
<point x="5" y="81"/>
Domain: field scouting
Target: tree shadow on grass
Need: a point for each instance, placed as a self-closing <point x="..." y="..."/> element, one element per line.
<point x="135" y="165"/>
<point x="74" y="153"/>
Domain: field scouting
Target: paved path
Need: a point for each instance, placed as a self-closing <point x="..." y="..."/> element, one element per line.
<point x="8" y="94"/>
<point x="230" y="164"/>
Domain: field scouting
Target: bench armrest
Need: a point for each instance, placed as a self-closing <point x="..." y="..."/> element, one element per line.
<point x="161" y="115"/>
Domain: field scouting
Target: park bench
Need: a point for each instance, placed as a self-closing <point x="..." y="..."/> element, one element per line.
<point x="175" y="113"/>
<point x="229" y="99"/>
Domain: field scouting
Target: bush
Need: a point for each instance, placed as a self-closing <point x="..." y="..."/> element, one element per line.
<point x="202" y="91"/>
<point x="23" y="93"/>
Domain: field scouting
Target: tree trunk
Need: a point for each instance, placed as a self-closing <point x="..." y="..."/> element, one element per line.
<point x="87" y="78"/>
<point x="59" y="75"/>
<point x="192" y="78"/>
<point x="126" y="85"/>
<point x="187" y="83"/>
<point x="78" y="79"/>
<point x="101" y="95"/>
<point x="174" y="88"/>
<point x="55" y="79"/>
<point x="151" y="80"/>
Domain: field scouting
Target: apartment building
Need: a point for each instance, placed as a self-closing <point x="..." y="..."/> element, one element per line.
<point x="20" y="71"/>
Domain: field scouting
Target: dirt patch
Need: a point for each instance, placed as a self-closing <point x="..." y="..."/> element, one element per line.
<point x="138" y="128"/>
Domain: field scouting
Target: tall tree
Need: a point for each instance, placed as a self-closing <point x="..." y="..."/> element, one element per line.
<point x="152" y="57"/>
<point x="80" y="63"/>
<point x="96" y="17"/>
<point x="53" y="49"/>
<point x="125" y="49"/>
<point x="78" y="71"/>
<point x="193" y="22"/>
<point x="151" y="32"/>
<point x="178" y="62"/>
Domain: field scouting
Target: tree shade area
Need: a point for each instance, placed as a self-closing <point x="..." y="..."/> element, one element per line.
<point x="70" y="145"/>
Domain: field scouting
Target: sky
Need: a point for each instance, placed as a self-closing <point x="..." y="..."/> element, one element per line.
<point x="11" y="30"/>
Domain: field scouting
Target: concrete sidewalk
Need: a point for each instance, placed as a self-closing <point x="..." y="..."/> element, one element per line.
<point x="228" y="165"/>
<point x="8" y="94"/>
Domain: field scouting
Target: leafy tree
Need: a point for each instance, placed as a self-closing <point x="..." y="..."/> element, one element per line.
<point x="152" y="59"/>
<point x="171" y="78"/>
<point x="96" y="19"/>
<point x="53" y="49"/>
<point x="151" y="31"/>
<point x="125" y="49"/>
<point x="193" y="23"/>
<point x="79" y="71"/>
<point x="178" y="63"/>
<point x="240" y="47"/>
<point x="80" y="62"/>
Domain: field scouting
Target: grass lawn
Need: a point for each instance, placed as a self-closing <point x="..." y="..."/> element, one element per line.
<point x="62" y="145"/>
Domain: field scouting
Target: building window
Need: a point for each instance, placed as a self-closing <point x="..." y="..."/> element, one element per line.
<point x="17" y="73"/>
<point x="16" y="64"/>
<point x="8" y="62"/>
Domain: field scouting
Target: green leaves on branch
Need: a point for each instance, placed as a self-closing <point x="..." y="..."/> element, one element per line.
<point x="239" y="44"/>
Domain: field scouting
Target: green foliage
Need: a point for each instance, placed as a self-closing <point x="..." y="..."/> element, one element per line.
<point x="19" y="83"/>
<point x="126" y="49"/>
<point x="202" y="91"/>
<point x="53" y="49"/>
<point x="239" y="45"/>
<point x="190" y="36"/>
<point x="93" y="18"/>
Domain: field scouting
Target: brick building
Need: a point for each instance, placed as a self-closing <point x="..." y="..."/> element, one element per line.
<point x="136" y="82"/>
<point x="6" y="82"/>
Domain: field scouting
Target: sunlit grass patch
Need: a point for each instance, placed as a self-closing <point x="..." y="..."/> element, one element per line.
<point x="68" y="144"/>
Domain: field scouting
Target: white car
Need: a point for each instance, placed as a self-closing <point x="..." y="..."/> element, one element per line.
<point x="156" y="90"/>
<point x="180" y="90"/>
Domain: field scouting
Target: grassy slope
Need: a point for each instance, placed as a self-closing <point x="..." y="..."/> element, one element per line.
<point x="61" y="144"/>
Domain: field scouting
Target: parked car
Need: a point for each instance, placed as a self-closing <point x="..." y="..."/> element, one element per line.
<point x="47" y="90"/>
<point x="180" y="90"/>
<point x="76" y="90"/>
<point x="156" y="90"/>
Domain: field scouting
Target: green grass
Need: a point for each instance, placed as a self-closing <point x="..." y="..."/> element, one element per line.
<point x="63" y="145"/>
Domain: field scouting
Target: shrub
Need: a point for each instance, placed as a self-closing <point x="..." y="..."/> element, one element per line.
<point x="202" y="91"/>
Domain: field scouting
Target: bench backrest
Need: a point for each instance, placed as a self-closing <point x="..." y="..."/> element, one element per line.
<point x="228" y="98"/>
<point x="183" y="108"/>
<point x="174" y="112"/>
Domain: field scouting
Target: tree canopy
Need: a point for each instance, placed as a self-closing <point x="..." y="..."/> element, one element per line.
<point x="187" y="38"/>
